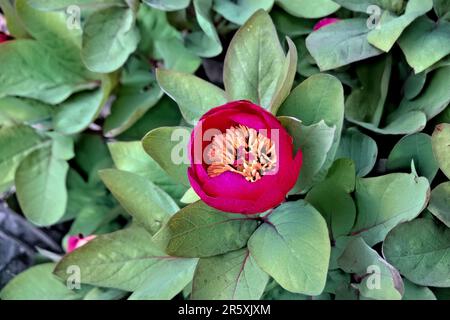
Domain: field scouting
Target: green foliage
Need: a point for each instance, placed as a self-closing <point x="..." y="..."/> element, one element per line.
<point x="201" y="231"/>
<point x="344" y="43"/>
<point x="253" y="66"/>
<point x="194" y="95"/>
<point x="232" y="276"/>
<point x="38" y="283"/>
<point x="419" y="250"/>
<point x="283" y="247"/>
<point x="132" y="263"/>
<point x="315" y="142"/>
<point x="440" y="202"/>
<point x="380" y="208"/>
<point x="417" y="148"/>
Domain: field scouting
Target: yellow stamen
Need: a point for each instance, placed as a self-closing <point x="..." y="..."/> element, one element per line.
<point x="241" y="150"/>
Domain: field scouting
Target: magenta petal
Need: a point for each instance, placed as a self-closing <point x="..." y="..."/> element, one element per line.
<point x="72" y="243"/>
<point x="75" y="242"/>
<point x="230" y="191"/>
<point x="4" y="37"/>
<point x="268" y="200"/>
<point x="324" y="22"/>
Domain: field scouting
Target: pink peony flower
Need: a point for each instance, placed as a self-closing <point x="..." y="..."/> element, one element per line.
<point x="242" y="159"/>
<point x="74" y="242"/>
<point x="324" y="22"/>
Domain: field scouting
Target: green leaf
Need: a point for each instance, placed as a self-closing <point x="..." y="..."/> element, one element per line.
<point x="432" y="101"/>
<point x="331" y="198"/>
<point x="92" y="155"/>
<point x="359" y="147"/>
<point x="167" y="146"/>
<point x="168" y="5"/>
<point x="440" y="203"/>
<point x="41" y="185"/>
<point x="163" y="42"/>
<point x="165" y="285"/>
<point x="380" y="280"/>
<point x="147" y="203"/>
<point x="318" y="98"/>
<point x="62" y="146"/>
<point x="402" y="123"/>
<point x="441" y="146"/>
<point x="49" y="69"/>
<point x="416" y="147"/>
<point x="77" y="113"/>
<point x="335" y="205"/>
<point x="289" y="25"/>
<point x="342" y="174"/>
<point x="31" y="70"/>
<point x="190" y="197"/>
<point x="130" y="156"/>
<point x="293" y="247"/>
<point x="366" y="104"/>
<point x="193" y="95"/>
<point x="232" y="276"/>
<point x="309" y="9"/>
<point x="176" y="56"/>
<point x="240" y="11"/>
<point x="420" y="251"/>
<point x="384" y="202"/>
<point x="15" y="110"/>
<point x="38" y="283"/>
<point x="109" y="37"/>
<point x="285" y="82"/>
<point x="391" y="26"/>
<point x="338" y="246"/>
<point x="315" y="142"/>
<point x="340" y="44"/>
<point x="164" y="113"/>
<point x="125" y="260"/>
<point x="90" y="205"/>
<point x="104" y="294"/>
<point x="205" y="42"/>
<point x="51" y="30"/>
<point x="52" y="5"/>
<point x="336" y="280"/>
<point x="155" y="25"/>
<point x="16" y="142"/>
<point x="254" y="62"/>
<point x="201" y="231"/>
<point x="362" y="5"/>
<point x="425" y="42"/>
<point x="442" y="8"/>
<point x="414" y="85"/>
<point x="138" y="93"/>
<point x="415" y="292"/>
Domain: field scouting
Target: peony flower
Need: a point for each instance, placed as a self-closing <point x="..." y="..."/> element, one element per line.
<point x="242" y="159"/>
<point x="324" y="22"/>
<point x="74" y="242"/>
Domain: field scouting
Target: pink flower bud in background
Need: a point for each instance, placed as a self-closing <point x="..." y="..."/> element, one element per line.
<point x="4" y="37"/>
<point x="4" y="34"/>
<point x="74" y="242"/>
<point x="324" y="22"/>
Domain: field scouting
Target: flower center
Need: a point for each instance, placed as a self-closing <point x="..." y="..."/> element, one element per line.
<point x="241" y="150"/>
